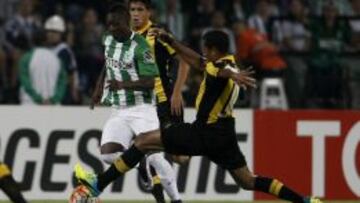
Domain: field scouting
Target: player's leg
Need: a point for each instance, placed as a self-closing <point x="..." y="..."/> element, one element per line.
<point x="166" y="175"/>
<point x="177" y="139"/>
<point x="150" y="180"/>
<point x="9" y="186"/>
<point x="249" y="181"/>
<point x="117" y="136"/>
<point x="224" y="150"/>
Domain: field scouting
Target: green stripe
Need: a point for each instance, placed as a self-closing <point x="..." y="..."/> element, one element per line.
<point x="130" y="95"/>
<point x="147" y="94"/>
<point x="110" y="54"/>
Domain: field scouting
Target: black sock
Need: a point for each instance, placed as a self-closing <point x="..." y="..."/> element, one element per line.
<point x="110" y="175"/>
<point x="157" y="192"/>
<point x="11" y="189"/>
<point x="128" y="160"/>
<point x="142" y="171"/>
<point x="278" y="189"/>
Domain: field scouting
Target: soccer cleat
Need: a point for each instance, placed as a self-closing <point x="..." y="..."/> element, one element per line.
<point x="87" y="179"/>
<point x="312" y="200"/>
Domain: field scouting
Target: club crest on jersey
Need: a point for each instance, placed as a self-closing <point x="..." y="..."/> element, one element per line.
<point x="148" y="57"/>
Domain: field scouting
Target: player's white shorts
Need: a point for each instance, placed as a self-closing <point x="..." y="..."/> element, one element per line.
<point x="126" y="123"/>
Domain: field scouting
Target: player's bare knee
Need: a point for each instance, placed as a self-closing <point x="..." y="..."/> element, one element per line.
<point x="141" y="143"/>
<point x="110" y="152"/>
<point x="110" y="157"/>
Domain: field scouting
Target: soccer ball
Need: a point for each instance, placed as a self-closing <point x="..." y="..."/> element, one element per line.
<point x="81" y="195"/>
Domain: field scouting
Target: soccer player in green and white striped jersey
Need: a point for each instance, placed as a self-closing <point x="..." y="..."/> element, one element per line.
<point x="127" y="86"/>
<point x="129" y="61"/>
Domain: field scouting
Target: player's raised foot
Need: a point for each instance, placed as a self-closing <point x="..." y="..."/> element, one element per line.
<point x="312" y="200"/>
<point x="87" y="179"/>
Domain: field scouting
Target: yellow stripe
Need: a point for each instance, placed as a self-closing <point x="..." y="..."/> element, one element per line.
<point x="4" y="170"/>
<point x="156" y="180"/>
<point x="121" y="166"/>
<point x="145" y="28"/>
<point x="275" y="187"/>
<point x="211" y="69"/>
<point x="278" y="188"/>
<point x="219" y="105"/>
<point x="159" y="91"/>
<point x="201" y="92"/>
<point x="168" y="47"/>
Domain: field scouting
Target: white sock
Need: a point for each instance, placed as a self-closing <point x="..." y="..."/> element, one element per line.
<point x="166" y="174"/>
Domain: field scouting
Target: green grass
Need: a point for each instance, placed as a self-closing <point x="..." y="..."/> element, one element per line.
<point x="355" y="201"/>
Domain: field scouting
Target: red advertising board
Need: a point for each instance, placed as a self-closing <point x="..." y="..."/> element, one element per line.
<point x="314" y="152"/>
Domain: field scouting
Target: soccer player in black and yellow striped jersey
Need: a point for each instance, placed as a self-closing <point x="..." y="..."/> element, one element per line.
<point x="168" y="91"/>
<point x="9" y="186"/>
<point x="213" y="132"/>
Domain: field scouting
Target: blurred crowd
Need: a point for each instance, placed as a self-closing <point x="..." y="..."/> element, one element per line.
<point x="312" y="46"/>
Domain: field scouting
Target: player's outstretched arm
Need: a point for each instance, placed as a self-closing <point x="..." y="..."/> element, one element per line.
<point x="243" y="78"/>
<point x="190" y="56"/>
<point x="97" y="94"/>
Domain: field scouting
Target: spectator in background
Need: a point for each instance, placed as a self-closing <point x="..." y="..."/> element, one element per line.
<point x="236" y="10"/>
<point x="42" y="77"/>
<point x="355" y="25"/>
<point x="55" y="34"/>
<point x="199" y="20"/>
<point x="7" y="9"/>
<point x="294" y="37"/>
<point x="259" y="19"/>
<point x="19" y="32"/>
<point x="218" y="22"/>
<point x="89" y="50"/>
<point x="353" y="61"/>
<point x="325" y="74"/>
<point x="254" y="49"/>
<point x="175" y="18"/>
<point x="343" y="6"/>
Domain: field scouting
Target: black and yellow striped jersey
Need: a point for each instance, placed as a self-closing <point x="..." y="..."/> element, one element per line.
<point x="216" y="96"/>
<point x="167" y="64"/>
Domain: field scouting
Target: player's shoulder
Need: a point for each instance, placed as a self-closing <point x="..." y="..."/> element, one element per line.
<point x="141" y="41"/>
<point x="106" y="36"/>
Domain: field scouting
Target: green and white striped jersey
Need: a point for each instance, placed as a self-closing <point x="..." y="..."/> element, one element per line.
<point x="128" y="61"/>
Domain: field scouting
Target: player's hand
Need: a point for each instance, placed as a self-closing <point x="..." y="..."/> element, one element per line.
<point x="114" y="85"/>
<point x="177" y="104"/>
<point x="96" y="98"/>
<point x="162" y="35"/>
<point x="244" y="78"/>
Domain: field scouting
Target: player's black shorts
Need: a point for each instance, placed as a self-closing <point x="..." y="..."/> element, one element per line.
<point x="165" y="116"/>
<point x="216" y="141"/>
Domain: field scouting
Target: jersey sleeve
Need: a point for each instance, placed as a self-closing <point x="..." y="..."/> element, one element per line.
<point x="169" y="49"/>
<point x="145" y="60"/>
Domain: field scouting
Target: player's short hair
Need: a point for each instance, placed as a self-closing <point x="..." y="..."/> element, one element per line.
<point x="218" y="40"/>
<point x="147" y="3"/>
<point x="121" y="9"/>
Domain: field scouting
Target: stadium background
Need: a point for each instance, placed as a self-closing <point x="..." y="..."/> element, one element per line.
<point x="312" y="146"/>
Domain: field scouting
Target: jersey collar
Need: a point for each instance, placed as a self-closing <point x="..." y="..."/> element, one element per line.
<point x="227" y="57"/>
<point x="145" y="28"/>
